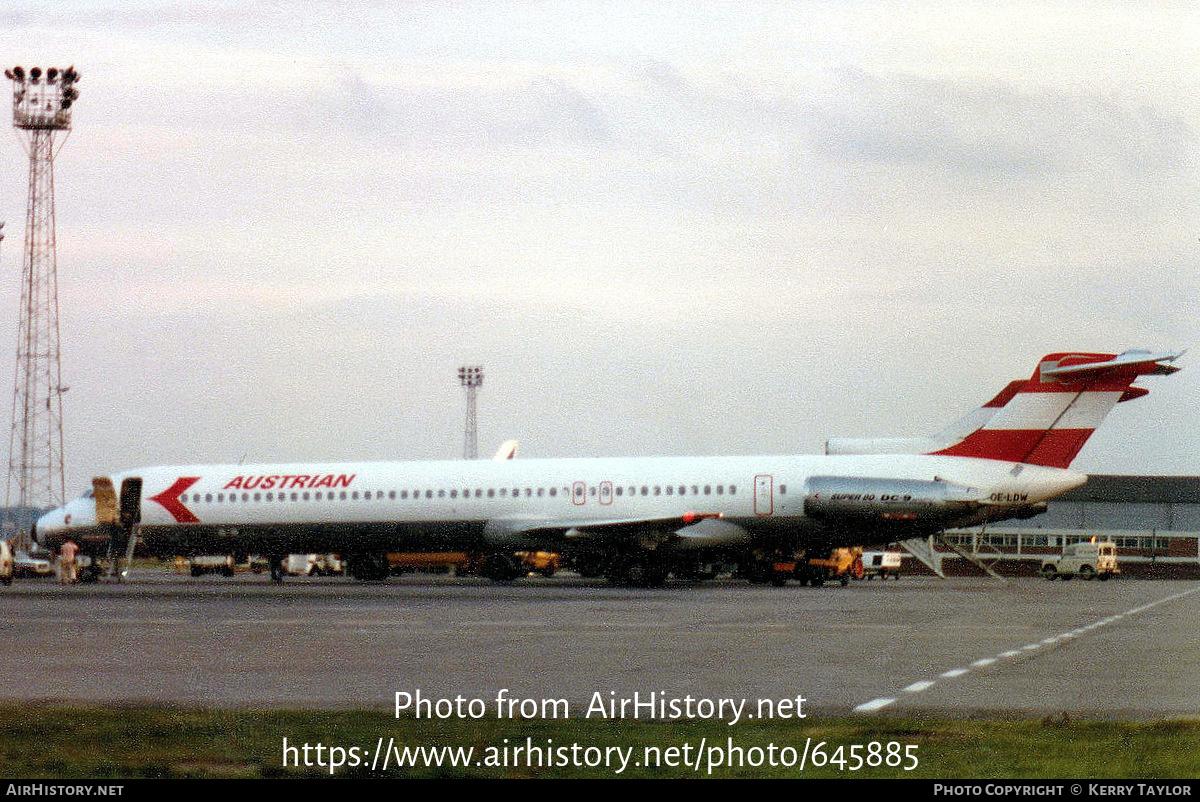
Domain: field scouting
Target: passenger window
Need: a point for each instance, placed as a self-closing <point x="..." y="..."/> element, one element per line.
<point x="708" y="490"/>
<point x="783" y="490"/>
<point x="305" y="496"/>
<point x="491" y="492"/>
<point x="258" y="497"/>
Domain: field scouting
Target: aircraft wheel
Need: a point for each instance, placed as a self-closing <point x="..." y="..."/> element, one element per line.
<point x="1050" y="572"/>
<point x="643" y="571"/>
<point x="589" y="564"/>
<point x="758" y="573"/>
<point x="500" y="568"/>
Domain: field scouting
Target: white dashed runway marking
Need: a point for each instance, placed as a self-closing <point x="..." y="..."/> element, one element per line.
<point x="924" y="685"/>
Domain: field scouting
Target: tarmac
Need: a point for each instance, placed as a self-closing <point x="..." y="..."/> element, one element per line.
<point x="1124" y="649"/>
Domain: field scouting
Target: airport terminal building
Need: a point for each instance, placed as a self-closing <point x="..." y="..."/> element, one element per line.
<point x="1154" y="521"/>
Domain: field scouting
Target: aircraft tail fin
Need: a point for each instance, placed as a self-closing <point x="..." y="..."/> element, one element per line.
<point x="508" y="450"/>
<point x="1046" y="419"/>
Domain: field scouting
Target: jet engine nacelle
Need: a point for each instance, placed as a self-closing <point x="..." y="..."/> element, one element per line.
<point x="843" y="498"/>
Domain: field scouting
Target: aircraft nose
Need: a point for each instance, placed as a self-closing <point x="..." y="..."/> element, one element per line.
<point x="55" y="519"/>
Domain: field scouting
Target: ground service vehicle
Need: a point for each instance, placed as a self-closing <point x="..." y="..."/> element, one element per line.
<point x="37" y="563"/>
<point x="222" y="564"/>
<point x="545" y="563"/>
<point x="1084" y="560"/>
<point x="842" y="564"/>
<point x="881" y="564"/>
<point x="433" y="562"/>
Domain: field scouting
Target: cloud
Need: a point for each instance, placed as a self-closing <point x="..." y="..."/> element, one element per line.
<point x="974" y="126"/>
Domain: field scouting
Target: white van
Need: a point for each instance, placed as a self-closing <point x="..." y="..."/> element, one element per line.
<point x="1085" y="560"/>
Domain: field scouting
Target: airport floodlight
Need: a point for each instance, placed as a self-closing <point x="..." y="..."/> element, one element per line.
<point x="43" y="105"/>
<point x="471" y="378"/>
<point x="42" y="101"/>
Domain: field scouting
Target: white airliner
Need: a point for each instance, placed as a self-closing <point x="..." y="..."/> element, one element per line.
<point x="634" y="518"/>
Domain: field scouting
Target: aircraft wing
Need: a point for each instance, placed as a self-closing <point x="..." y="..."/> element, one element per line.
<point x="692" y="525"/>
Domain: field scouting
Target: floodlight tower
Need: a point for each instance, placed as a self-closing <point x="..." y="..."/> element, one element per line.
<point x="42" y="103"/>
<point x="471" y="378"/>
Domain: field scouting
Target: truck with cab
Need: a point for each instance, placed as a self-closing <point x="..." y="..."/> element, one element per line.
<point x="1090" y="560"/>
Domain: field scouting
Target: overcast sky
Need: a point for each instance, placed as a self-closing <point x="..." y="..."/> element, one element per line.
<point x="677" y="228"/>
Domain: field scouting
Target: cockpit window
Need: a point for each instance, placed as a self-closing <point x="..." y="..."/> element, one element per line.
<point x="89" y="493"/>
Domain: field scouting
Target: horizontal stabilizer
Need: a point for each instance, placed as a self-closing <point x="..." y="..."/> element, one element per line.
<point x="1078" y="367"/>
